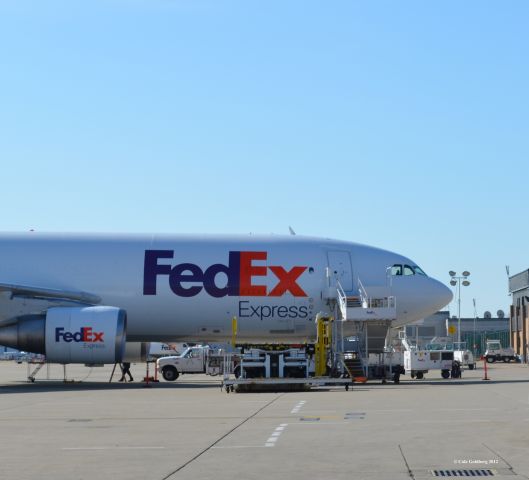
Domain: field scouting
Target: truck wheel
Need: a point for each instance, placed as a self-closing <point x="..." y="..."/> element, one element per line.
<point x="445" y="374"/>
<point x="170" y="373"/>
<point x="506" y="359"/>
<point x="491" y="359"/>
<point x="419" y="375"/>
<point x="471" y="366"/>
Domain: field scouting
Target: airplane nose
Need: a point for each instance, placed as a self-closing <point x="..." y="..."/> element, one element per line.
<point x="441" y="293"/>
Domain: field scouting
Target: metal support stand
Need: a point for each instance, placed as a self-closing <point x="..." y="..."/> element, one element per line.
<point x="112" y="374"/>
<point x="33" y="374"/>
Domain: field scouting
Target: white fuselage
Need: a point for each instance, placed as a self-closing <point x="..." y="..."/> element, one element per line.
<point x="189" y="287"/>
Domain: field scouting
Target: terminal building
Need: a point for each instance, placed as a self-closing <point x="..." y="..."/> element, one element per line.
<point x="474" y="331"/>
<point x="519" y="328"/>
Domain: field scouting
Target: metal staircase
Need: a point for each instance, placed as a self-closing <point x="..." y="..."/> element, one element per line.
<point x="366" y="318"/>
<point x="353" y="365"/>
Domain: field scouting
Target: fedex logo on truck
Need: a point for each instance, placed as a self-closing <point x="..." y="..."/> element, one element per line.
<point x="85" y="334"/>
<point x="188" y="279"/>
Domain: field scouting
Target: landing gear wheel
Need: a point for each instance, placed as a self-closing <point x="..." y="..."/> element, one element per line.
<point x="445" y="374"/>
<point x="419" y="375"/>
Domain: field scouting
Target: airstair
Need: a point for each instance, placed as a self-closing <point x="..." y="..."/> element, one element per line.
<point x="353" y="365"/>
<point x="367" y="319"/>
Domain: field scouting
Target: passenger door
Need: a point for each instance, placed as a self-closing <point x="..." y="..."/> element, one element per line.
<point x="341" y="269"/>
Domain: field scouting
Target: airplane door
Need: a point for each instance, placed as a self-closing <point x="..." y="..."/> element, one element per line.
<point x="341" y="269"/>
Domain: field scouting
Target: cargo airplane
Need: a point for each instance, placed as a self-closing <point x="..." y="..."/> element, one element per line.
<point x="92" y="298"/>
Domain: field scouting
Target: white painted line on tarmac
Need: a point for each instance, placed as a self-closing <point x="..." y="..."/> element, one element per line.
<point x="298" y="407"/>
<point x="275" y="435"/>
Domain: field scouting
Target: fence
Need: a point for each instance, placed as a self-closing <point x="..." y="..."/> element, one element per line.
<point x="477" y="342"/>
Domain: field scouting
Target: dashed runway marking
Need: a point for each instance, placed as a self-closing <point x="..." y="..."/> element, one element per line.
<point x="299" y="406"/>
<point x="275" y="435"/>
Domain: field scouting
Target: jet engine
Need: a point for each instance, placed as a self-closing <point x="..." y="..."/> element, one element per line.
<point x="91" y="335"/>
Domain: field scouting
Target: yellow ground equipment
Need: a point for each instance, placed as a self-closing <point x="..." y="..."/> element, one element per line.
<point x="323" y="343"/>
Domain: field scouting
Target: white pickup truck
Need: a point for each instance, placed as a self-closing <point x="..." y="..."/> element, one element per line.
<point x="495" y="352"/>
<point x="198" y="359"/>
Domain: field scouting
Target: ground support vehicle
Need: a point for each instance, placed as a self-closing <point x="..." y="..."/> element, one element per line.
<point x="258" y="369"/>
<point x="386" y="366"/>
<point x="464" y="356"/>
<point x="461" y="353"/>
<point x="419" y="362"/>
<point x="495" y="352"/>
<point x="198" y="359"/>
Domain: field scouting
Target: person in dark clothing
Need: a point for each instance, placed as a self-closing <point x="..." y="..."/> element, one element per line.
<point x="456" y="369"/>
<point x="125" y="370"/>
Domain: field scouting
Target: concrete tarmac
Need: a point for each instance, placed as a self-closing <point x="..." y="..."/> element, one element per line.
<point x="191" y="429"/>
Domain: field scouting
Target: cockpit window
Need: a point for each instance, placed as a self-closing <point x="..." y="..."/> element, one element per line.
<point x="419" y="270"/>
<point x="408" y="270"/>
<point x="396" y="270"/>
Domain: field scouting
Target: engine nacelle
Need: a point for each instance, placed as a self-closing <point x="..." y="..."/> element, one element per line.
<point x="89" y="335"/>
<point x="85" y="335"/>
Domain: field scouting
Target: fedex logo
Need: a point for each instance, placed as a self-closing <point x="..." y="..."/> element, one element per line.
<point x="188" y="279"/>
<point x="86" y="334"/>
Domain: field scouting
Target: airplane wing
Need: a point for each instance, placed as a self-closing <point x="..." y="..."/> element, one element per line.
<point x="40" y="293"/>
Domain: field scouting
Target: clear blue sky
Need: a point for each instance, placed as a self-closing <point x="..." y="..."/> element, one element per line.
<point x="397" y="124"/>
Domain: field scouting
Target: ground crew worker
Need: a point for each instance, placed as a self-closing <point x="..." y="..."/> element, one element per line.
<point x="125" y="370"/>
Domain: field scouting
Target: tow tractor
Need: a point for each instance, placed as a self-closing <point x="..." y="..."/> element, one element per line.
<point x="461" y="353"/>
<point x="464" y="356"/>
<point x="417" y="362"/>
<point x="495" y="352"/>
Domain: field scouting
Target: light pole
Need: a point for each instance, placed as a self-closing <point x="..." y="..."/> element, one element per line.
<point x="474" y="337"/>
<point x="458" y="280"/>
